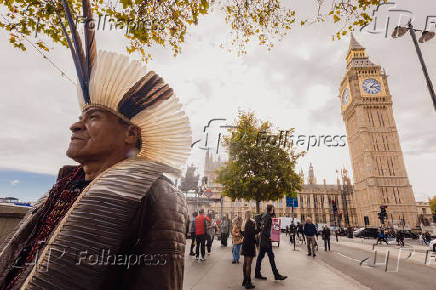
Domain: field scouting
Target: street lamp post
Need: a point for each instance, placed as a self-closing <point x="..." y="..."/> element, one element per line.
<point x="426" y="36"/>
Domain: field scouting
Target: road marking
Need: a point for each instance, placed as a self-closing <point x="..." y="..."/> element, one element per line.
<point x="356" y="260"/>
<point x="348" y="257"/>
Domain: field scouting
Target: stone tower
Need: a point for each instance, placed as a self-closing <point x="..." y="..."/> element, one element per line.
<point x="311" y="175"/>
<point x="380" y="177"/>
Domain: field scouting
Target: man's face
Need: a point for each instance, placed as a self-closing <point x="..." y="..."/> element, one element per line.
<point x="98" y="134"/>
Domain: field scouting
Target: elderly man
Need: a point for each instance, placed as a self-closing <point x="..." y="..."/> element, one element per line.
<point x="310" y="232"/>
<point x="114" y="221"/>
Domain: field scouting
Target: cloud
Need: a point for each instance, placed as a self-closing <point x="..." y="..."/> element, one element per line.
<point x="294" y="85"/>
<point x="14" y="182"/>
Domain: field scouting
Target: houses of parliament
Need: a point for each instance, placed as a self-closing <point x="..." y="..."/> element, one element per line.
<point x="379" y="173"/>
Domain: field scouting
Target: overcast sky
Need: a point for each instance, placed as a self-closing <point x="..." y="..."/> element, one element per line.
<point x="296" y="85"/>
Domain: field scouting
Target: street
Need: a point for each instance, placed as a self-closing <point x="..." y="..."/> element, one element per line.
<point x="338" y="269"/>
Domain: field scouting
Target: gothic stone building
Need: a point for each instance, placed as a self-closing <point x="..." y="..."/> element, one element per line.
<point x="315" y="200"/>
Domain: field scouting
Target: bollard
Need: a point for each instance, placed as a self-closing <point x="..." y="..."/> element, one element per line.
<point x="387" y="261"/>
<point x="294" y="241"/>
<point x="375" y="257"/>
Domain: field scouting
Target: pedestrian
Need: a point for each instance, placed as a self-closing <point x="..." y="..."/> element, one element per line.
<point x="300" y="231"/>
<point x="400" y="238"/>
<point x="292" y="230"/>
<point x="266" y="246"/>
<point x="200" y="234"/>
<point x="211" y="228"/>
<point x="382" y="237"/>
<point x="236" y="239"/>
<point x="336" y="235"/>
<point x="287" y="230"/>
<point x="427" y="238"/>
<point x="225" y="226"/>
<point x="248" y="231"/>
<point x="192" y="231"/>
<point x="326" y="237"/>
<point x="310" y="232"/>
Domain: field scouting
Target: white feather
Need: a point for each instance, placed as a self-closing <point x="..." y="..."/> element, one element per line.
<point x="165" y="130"/>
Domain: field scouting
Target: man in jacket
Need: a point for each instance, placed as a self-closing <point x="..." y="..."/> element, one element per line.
<point x="116" y="206"/>
<point x="266" y="246"/>
<point x="201" y="224"/>
<point x="192" y="232"/>
<point x="310" y="232"/>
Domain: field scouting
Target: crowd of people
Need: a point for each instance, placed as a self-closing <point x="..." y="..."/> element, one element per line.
<point x="247" y="233"/>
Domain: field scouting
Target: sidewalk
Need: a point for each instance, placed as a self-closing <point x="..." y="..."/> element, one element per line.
<point x="303" y="272"/>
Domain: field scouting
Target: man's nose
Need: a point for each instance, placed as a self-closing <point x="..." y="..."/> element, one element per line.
<point x="77" y="126"/>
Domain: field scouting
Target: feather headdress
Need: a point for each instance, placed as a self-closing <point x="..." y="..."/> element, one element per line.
<point x="113" y="82"/>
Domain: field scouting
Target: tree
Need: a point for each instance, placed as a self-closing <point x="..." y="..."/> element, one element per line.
<point x="432" y="202"/>
<point x="165" y="22"/>
<point x="258" y="168"/>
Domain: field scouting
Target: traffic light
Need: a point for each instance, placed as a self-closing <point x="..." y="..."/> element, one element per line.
<point x="382" y="215"/>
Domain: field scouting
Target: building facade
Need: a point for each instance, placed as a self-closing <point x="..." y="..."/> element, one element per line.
<point x="380" y="176"/>
<point x="314" y="200"/>
<point x="425" y="216"/>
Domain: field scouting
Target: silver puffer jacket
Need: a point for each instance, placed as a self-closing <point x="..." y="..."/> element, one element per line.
<point x="126" y="230"/>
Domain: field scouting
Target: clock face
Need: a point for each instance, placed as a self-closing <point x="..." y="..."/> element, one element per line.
<point x="345" y="96"/>
<point x="371" y="86"/>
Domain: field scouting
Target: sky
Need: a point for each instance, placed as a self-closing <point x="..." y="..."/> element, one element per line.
<point x="295" y="85"/>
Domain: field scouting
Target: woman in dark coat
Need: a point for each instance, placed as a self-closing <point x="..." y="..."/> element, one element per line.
<point x="249" y="232"/>
<point x="326" y="237"/>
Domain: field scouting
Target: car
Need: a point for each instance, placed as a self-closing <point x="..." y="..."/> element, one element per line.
<point x="367" y="233"/>
<point x="357" y="231"/>
<point x="410" y="235"/>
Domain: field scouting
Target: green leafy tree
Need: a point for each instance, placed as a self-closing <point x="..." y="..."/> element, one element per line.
<point x="432" y="202"/>
<point x="258" y="169"/>
<point x="165" y="22"/>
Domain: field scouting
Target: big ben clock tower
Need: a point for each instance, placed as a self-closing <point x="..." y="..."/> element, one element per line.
<point x="380" y="177"/>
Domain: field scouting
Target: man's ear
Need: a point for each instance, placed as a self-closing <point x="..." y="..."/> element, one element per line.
<point x="132" y="135"/>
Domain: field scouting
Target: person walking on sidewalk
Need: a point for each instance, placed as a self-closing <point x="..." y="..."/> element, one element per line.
<point x="225" y="227"/>
<point x="382" y="237"/>
<point x="300" y="231"/>
<point x="192" y="231"/>
<point x="292" y="230"/>
<point x="248" y="231"/>
<point x="326" y="237"/>
<point x="236" y="239"/>
<point x="210" y="232"/>
<point x="310" y="232"/>
<point x="200" y="234"/>
<point x="266" y="246"/>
